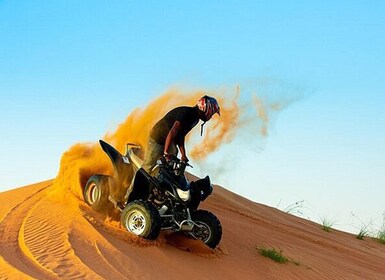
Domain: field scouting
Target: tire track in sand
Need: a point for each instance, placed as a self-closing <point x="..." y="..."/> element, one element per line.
<point x="45" y="235"/>
<point x="10" y="248"/>
<point x="34" y="241"/>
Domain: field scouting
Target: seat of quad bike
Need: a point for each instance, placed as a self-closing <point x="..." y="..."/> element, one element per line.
<point x="135" y="152"/>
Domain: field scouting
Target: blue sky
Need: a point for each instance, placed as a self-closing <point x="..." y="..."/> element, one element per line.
<point x="72" y="70"/>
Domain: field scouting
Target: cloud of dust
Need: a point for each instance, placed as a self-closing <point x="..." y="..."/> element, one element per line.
<point x="220" y="129"/>
<point x="239" y="113"/>
<point x="82" y="161"/>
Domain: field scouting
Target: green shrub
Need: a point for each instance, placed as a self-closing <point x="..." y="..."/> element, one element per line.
<point x="273" y="254"/>
<point x="363" y="233"/>
<point x="327" y="224"/>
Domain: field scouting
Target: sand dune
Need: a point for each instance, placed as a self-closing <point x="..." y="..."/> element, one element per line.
<point x="45" y="237"/>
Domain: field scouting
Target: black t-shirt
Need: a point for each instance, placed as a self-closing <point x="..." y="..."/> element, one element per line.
<point x="188" y="117"/>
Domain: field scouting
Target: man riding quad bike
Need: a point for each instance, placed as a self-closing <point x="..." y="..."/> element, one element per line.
<point x="154" y="194"/>
<point x="164" y="200"/>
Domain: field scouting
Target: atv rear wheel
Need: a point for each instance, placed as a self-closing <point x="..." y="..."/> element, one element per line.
<point x="209" y="228"/>
<point x="142" y="219"/>
<point x="96" y="193"/>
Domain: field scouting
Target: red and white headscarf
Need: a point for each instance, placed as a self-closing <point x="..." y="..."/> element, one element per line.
<point x="209" y="105"/>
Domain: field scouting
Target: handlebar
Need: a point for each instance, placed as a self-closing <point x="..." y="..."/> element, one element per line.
<point x="176" y="164"/>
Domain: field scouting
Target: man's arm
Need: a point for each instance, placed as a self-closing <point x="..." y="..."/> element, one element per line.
<point x="171" y="136"/>
<point x="182" y="150"/>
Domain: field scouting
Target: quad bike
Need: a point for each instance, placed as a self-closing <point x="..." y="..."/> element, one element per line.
<point x="162" y="200"/>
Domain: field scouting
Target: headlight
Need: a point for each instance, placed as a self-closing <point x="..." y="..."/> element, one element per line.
<point x="184" y="195"/>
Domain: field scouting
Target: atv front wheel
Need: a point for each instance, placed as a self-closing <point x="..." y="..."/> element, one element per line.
<point x="208" y="228"/>
<point x="142" y="219"/>
<point x="96" y="193"/>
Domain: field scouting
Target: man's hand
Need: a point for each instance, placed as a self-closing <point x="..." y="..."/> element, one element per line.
<point x="184" y="158"/>
<point x="168" y="157"/>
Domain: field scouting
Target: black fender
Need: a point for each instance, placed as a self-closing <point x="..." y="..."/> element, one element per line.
<point x="200" y="190"/>
<point x="123" y="172"/>
<point x="141" y="186"/>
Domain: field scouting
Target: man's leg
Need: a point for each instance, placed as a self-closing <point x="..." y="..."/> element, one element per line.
<point x="153" y="153"/>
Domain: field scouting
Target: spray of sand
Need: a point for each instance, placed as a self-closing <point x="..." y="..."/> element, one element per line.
<point x="221" y="129"/>
<point x="81" y="161"/>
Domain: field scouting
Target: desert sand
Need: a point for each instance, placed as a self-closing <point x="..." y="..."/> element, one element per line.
<point x="45" y="237"/>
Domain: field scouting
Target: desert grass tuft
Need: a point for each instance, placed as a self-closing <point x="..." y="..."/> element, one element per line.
<point x="363" y="228"/>
<point x="327" y="224"/>
<point x="273" y="254"/>
<point x="381" y="231"/>
<point x="295" y="208"/>
<point x="381" y="236"/>
<point x="363" y="233"/>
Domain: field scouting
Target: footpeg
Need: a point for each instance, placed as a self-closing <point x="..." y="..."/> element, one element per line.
<point x="117" y="204"/>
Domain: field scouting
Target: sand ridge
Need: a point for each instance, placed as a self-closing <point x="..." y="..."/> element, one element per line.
<point x="44" y="237"/>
